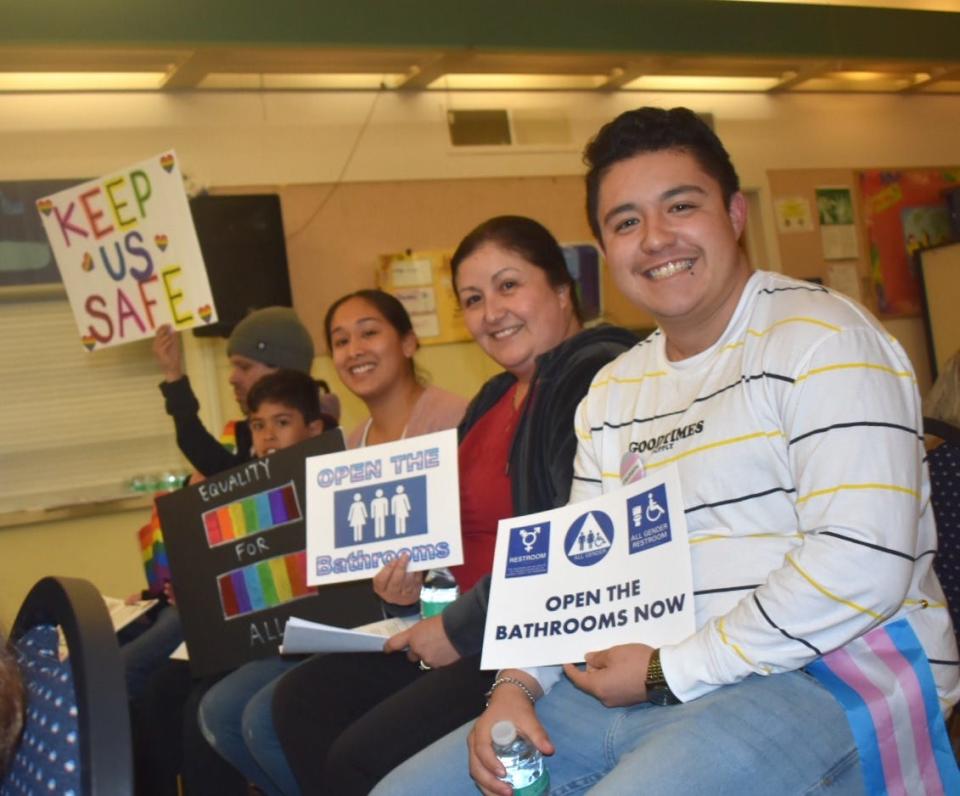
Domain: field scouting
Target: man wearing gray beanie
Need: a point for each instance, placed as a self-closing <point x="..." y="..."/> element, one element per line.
<point x="266" y="340"/>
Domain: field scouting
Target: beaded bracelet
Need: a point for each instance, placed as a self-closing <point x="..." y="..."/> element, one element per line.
<point x="511" y="681"/>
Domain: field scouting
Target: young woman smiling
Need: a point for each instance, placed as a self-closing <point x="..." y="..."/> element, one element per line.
<point x="371" y="340"/>
<point x="344" y="721"/>
<point x="372" y="343"/>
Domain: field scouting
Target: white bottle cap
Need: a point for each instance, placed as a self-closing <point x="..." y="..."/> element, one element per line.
<point x="503" y="733"/>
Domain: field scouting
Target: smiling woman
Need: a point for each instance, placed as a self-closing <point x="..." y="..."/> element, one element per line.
<point x="372" y="343"/>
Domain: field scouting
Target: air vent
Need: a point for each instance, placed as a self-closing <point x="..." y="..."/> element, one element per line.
<point x="479" y="128"/>
<point x="500" y="127"/>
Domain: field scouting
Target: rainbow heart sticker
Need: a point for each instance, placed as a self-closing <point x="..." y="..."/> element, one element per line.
<point x="89" y="341"/>
<point x="161" y="241"/>
<point x="45" y="206"/>
<point x="167" y="162"/>
<point x="87" y="264"/>
<point x="205" y="312"/>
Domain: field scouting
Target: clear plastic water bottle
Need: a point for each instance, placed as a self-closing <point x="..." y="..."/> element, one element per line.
<point x="438" y="591"/>
<point x="526" y="771"/>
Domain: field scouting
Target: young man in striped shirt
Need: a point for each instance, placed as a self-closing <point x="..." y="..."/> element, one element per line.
<point x="794" y="421"/>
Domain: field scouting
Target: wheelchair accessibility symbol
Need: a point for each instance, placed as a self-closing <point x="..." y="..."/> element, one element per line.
<point x="648" y="520"/>
<point x="653" y="512"/>
<point x="589" y="538"/>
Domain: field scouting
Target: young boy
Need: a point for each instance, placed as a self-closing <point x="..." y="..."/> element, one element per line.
<point x="283" y="409"/>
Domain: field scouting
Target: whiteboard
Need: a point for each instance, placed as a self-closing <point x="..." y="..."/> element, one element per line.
<point x="941" y="284"/>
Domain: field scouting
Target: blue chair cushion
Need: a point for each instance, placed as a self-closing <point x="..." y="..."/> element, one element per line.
<point x="47" y="760"/>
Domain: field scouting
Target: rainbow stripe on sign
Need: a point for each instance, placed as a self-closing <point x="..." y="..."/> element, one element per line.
<point x="263" y="585"/>
<point x="253" y="514"/>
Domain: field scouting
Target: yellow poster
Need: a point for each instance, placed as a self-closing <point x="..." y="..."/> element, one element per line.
<point x="423" y="284"/>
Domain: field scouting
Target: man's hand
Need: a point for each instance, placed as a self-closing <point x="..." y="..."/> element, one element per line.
<point x="616" y="676"/>
<point x="507" y="702"/>
<point x="426" y="641"/>
<point x="393" y="584"/>
<point x="166" y="349"/>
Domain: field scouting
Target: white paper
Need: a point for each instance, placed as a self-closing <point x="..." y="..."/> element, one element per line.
<point x="611" y="570"/>
<point x="128" y="253"/>
<point x="426" y="326"/>
<point x="409" y="273"/>
<point x="301" y="636"/>
<point x="122" y="614"/>
<point x="367" y="506"/>
<point x="180" y="653"/>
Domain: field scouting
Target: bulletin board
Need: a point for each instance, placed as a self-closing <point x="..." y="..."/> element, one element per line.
<point x="805" y="234"/>
<point x="337" y="234"/>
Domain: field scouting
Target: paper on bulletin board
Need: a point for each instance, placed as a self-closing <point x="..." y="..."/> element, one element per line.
<point x="838" y="233"/>
<point x="368" y="506"/>
<point x="844" y="278"/>
<point x="423" y="284"/>
<point x="793" y="214"/>
<point x="611" y="570"/>
<point x="128" y="253"/>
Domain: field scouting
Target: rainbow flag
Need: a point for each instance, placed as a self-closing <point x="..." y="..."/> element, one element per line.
<point x="252" y="514"/>
<point x="884" y="683"/>
<point x="153" y="553"/>
<point x="266" y="584"/>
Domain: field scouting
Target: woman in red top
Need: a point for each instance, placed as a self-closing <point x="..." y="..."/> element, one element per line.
<point x="346" y="720"/>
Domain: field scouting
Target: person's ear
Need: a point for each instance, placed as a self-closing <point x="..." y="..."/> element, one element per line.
<point x="738" y="213"/>
<point x="409" y="345"/>
<point x="316" y="427"/>
<point x="563" y="293"/>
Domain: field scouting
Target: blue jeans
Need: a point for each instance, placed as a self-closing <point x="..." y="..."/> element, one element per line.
<point x="235" y="718"/>
<point x="781" y="734"/>
<point x="144" y="654"/>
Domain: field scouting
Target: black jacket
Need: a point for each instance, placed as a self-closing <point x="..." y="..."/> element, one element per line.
<point x="203" y="450"/>
<point x="541" y="457"/>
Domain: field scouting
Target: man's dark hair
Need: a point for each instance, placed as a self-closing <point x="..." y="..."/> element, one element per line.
<point x="289" y="388"/>
<point x="526" y="237"/>
<point x="649" y="129"/>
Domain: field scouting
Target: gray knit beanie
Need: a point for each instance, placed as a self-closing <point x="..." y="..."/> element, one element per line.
<point x="273" y="336"/>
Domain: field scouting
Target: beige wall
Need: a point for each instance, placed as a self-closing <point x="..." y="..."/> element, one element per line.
<point x="246" y="139"/>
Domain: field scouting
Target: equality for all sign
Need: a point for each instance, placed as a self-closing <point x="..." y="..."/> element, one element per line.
<point x="368" y="506"/>
<point x="236" y="544"/>
<point x="611" y="570"/>
<point x="128" y="253"/>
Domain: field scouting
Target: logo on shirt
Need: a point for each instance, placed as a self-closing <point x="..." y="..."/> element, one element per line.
<point x="589" y="538"/>
<point x="648" y="519"/>
<point x="529" y="550"/>
<point x="666" y="441"/>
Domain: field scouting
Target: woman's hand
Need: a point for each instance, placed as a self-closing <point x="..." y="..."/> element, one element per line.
<point x="393" y="584"/>
<point x="166" y="349"/>
<point x="508" y="702"/>
<point x="426" y="641"/>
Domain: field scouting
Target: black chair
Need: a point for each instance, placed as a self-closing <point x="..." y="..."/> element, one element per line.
<point x="944" y="464"/>
<point x="76" y="737"/>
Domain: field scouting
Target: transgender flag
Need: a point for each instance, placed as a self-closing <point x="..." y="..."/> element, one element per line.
<point x="884" y="683"/>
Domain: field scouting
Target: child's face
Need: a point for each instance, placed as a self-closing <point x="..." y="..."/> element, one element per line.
<point x="275" y="427"/>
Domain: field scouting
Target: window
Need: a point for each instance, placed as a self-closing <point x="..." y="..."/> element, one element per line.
<point x="75" y="426"/>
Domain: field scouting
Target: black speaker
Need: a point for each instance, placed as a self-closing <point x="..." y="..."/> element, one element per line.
<point x="241" y="238"/>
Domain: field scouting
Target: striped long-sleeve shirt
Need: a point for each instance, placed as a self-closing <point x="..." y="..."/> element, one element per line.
<point x="798" y="440"/>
